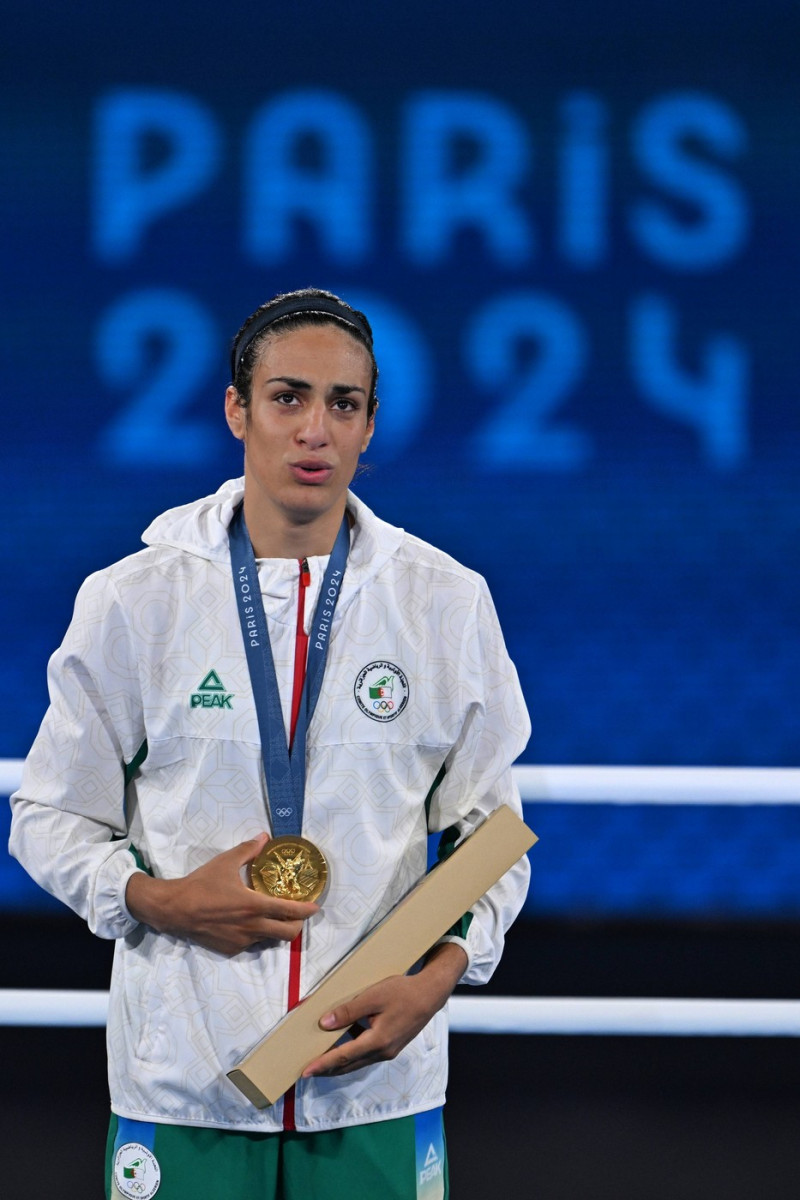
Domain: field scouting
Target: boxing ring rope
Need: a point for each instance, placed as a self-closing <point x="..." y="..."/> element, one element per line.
<point x="616" y="785"/>
<point x="659" y="785"/>
<point x="618" y="1016"/>
<point x="10" y="775"/>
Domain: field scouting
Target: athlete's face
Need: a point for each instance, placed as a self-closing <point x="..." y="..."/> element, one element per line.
<point x="306" y="424"/>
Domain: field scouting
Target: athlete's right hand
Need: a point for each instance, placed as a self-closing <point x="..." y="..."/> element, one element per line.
<point x="213" y="907"/>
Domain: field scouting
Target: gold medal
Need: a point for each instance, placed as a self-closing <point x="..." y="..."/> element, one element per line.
<point x="289" y="868"/>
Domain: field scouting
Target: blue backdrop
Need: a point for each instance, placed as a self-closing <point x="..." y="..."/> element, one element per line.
<point x="574" y="228"/>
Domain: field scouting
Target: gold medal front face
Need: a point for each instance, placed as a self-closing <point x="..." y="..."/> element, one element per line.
<point x="290" y="868"/>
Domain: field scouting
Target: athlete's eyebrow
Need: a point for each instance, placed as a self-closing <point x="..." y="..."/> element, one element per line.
<point x="340" y="389"/>
<point x="287" y="379"/>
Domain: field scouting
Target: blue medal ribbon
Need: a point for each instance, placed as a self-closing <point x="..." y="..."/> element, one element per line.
<point x="285" y="771"/>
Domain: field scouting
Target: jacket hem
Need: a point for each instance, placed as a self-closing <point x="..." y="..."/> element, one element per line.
<point x="357" y="1117"/>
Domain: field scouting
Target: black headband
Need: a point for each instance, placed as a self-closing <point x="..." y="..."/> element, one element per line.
<point x="290" y="306"/>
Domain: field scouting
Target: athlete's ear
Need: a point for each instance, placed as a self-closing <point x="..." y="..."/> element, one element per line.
<point x="370" y="429"/>
<point x="235" y="414"/>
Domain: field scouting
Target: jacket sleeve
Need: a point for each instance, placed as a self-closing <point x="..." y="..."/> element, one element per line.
<point x="68" y="825"/>
<point x="477" y="779"/>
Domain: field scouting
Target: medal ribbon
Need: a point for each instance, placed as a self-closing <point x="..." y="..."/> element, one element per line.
<point x="285" y="770"/>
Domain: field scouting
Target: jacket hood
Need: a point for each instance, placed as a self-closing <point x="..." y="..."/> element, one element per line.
<point x="202" y="528"/>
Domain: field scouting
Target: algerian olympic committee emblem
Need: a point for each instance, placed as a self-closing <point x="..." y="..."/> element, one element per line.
<point x="137" y="1174"/>
<point x="381" y="691"/>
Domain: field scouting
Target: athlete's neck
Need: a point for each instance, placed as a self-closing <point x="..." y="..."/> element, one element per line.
<point x="276" y="535"/>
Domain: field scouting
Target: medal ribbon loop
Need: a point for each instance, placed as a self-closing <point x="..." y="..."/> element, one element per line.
<point x="285" y="770"/>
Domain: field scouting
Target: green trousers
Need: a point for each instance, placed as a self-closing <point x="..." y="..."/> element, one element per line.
<point x="401" y="1159"/>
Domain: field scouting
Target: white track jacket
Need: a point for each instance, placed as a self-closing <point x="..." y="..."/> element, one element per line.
<point x="149" y="755"/>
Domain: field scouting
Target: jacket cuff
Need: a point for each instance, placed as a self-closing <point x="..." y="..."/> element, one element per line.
<point x="110" y="918"/>
<point x="457" y="941"/>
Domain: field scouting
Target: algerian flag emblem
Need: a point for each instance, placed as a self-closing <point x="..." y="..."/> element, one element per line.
<point x="137" y="1174"/>
<point x="381" y="691"/>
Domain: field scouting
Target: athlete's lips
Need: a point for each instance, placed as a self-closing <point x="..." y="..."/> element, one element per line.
<point x="311" y="470"/>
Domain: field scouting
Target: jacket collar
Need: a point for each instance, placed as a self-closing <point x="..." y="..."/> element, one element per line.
<point x="201" y="528"/>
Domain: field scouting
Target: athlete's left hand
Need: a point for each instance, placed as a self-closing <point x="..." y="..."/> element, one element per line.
<point x="392" y="1011"/>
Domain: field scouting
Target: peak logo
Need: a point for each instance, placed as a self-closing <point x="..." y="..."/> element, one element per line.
<point x="211" y="693"/>
<point x="432" y="1168"/>
<point x="430" y="1155"/>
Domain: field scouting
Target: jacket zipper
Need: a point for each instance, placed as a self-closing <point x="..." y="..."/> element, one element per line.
<point x="296" y="947"/>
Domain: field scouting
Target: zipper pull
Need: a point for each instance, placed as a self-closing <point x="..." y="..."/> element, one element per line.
<point x="305" y="573"/>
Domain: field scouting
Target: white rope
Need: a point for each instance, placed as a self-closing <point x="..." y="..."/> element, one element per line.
<point x="10" y="775"/>
<point x="659" y="785"/>
<point x="626" y="1016"/>
<point x="25" y="1006"/>
<point x="496" y="1014"/>
<point x="616" y="785"/>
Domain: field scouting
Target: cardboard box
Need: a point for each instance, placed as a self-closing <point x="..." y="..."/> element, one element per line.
<point x="391" y="948"/>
